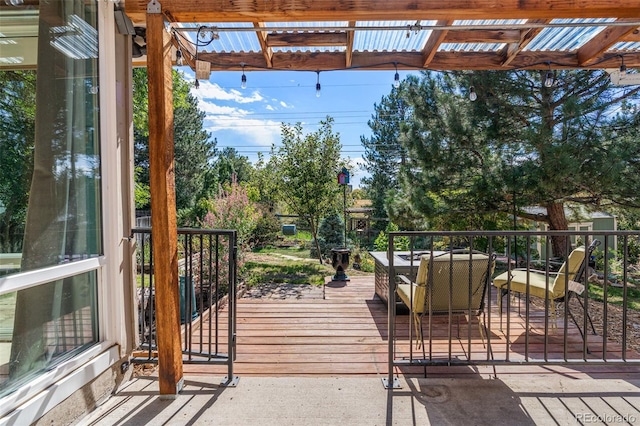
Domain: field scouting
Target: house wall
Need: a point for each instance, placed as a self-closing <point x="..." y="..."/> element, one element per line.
<point x="70" y="389"/>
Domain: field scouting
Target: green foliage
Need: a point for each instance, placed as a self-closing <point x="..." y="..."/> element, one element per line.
<point x="307" y="166"/>
<point x="193" y="148"/>
<point x="232" y="209"/>
<point x="464" y="165"/>
<point x="383" y="152"/>
<point x="266" y="231"/>
<point x="17" y="127"/>
<point x="284" y="272"/>
<point x="330" y="235"/>
<point x="382" y="241"/>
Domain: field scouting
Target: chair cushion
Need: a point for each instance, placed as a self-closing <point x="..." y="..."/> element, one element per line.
<point x="537" y="283"/>
<point x="404" y="292"/>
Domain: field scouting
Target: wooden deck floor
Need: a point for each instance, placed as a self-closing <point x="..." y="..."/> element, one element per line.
<point x="346" y="333"/>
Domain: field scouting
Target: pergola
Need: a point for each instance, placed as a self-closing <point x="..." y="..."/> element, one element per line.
<point x="319" y="35"/>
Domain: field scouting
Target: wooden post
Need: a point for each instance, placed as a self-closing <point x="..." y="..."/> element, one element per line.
<point x="163" y="203"/>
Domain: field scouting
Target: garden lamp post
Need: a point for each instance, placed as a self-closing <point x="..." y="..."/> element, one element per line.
<point x="340" y="257"/>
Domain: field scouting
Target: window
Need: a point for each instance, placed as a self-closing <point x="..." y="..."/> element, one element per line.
<point x="50" y="199"/>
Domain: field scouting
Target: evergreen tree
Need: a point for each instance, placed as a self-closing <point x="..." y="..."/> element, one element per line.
<point x="383" y="152"/>
<point x="193" y="149"/>
<point x="520" y="144"/>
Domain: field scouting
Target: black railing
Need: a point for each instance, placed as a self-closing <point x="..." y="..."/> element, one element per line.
<point x="207" y="269"/>
<point x="530" y="314"/>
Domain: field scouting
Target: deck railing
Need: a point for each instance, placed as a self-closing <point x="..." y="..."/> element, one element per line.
<point x="207" y="269"/>
<point x="526" y="328"/>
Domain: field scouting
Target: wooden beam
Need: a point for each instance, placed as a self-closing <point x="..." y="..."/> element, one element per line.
<point x="163" y="206"/>
<point x="433" y="42"/>
<point x="307" y="39"/>
<point x="483" y="36"/>
<point x="633" y="37"/>
<point x="526" y="36"/>
<point x="267" y="52"/>
<point x="599" y="44"/>
<point x="385" y="10"/>
<point x="326" y="61"/>
<point x="351" y="35"/>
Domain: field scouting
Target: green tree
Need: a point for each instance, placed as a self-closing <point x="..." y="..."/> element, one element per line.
<point x="307" y="166"/>
<point x="193" y="149"/>
<point x="520" y="144"/>
<point x="230" y="163"/>
<point x="383" y="152"/>
<point x="17" y="139"/>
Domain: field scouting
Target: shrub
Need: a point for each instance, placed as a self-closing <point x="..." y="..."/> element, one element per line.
<point x="382" y="241"/>
<point x="330" y="235"/>
<point x="266" y="231"/>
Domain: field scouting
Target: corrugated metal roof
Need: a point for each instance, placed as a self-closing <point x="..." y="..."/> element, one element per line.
<point x="479" y="47"/>
<point x="406" y="40"/>
<point x="566" y="39"/>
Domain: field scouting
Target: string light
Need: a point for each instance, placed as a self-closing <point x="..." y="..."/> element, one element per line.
<point x="243" y="80"/>
<point x="472" y="94"/>
<point x="318" y="88"/>
<point x="179" y="58"/>
<point x="197" y="84"/>
<point x="623" y="67"/>
<point x="396" y="77"/>
<point x="549" y="78"/>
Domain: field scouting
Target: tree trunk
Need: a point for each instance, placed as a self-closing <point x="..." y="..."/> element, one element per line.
<point x="557" y="222"/>
<point x="314" y="235"/>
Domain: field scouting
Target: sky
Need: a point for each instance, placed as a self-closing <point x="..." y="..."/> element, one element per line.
<point x="249" y="119"/>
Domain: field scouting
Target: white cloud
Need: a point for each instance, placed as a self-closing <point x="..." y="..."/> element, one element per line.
<point x="270" y="108"/>
<point x="255" y="131"/>
<point x="283" y="104"/>
<point x="213" y="91"/>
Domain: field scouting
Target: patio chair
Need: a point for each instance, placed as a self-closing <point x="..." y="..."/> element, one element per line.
<point x="450" y="283"/>
<point x="552" y="286"/>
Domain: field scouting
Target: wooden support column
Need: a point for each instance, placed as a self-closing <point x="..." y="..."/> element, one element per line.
<point x="163" y="203"/>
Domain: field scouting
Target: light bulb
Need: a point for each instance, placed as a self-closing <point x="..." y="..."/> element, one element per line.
<point x="472" y="94"/>
<point x="317" y="90"/>
<point x="197" y="84"/>
<point x="549" y="80"/>
<point x="243" y="80"/>
<point x="396" y="80"/>
<point x="623" y="70"/>
<point x="179" y="58"/>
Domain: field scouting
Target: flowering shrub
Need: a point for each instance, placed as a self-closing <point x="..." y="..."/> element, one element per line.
<point x="232" y="209"/>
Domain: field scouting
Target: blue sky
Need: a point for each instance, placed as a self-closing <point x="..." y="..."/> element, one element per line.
<point x="249" y="119"/>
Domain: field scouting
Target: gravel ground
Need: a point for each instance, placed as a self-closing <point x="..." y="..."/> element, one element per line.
<point x="614" y="322"/>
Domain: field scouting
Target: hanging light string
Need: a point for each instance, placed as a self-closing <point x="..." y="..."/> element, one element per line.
<point x="318" y="87"/>
<point x="549" y="79"/>
<point x="396" y="77"/>
<point x="243" y="79"/>
<point x="206" y="36"/>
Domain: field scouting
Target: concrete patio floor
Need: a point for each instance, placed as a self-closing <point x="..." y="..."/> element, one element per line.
<point x="562" y="399"/>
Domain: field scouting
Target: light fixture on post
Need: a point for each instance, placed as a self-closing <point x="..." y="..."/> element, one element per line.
<point x="549" y="79"/>
<point x="623" y="67"/>
<point x="396" y="77"/>
<point x="243" y="79"/>
<point x="318" y="88"/>
<point x="472" y="94"/>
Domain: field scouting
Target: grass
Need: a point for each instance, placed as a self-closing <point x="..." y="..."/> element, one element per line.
<point x="615" y="295"/>
<point x="284" y="271"/>
<point x="301" y="252"/>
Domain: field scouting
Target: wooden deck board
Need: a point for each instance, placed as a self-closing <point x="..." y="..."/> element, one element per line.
<point x="346" y="334"/>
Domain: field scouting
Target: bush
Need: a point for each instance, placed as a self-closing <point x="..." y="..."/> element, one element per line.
<point x="382" y="241"/>
<point x="266" y="231"/>
<point x="330" y="235"/>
